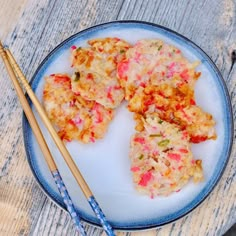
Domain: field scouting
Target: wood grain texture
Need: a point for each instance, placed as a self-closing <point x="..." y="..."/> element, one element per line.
<point x="10" y="11"/>
<point x="34" y="28"/>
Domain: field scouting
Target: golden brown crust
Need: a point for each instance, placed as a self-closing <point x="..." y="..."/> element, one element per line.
<point x="97" y="66"/>
<point x="74" y="117"/>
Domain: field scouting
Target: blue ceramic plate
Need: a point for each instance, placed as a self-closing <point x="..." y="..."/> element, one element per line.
<point x="105" y="165"/>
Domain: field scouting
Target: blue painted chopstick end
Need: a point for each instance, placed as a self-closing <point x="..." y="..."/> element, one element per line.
<point x="98" y="211"/>
<point x="67" y="200"/>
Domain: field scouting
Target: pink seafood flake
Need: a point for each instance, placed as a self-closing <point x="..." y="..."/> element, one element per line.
<point x="99" y="117"/>
<point x="137" y="57"/>
<point x="183" y="150"/>
<point x="135" y="169"/>
<point x="109" y="94"/>
<point x="77" y="120"/>
<point x="140" y="140"/>
<point x="184" y="75"/>
<point x="122" y="68"/>
<point x="174" y="156"/>
<point x="145" y="178"/>
<point x="61" y="79"/>
<point x="92" y="139"/>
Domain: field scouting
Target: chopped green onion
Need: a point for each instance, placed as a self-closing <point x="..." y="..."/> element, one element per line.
<point x="164" y="143"/>
<point x="122" y="51"/>
<point x="160" y="47"/>
<point x="160" y="121"/>
<point x="78" y="48"/>
<point x="140" y="157"/>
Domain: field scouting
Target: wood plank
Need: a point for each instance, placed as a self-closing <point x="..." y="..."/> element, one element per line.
<point x="217" y="37"/>
<point x="44" y="21"/>
<point x="10" y="12"/>
<point x="42" y="26"/>
<point x="19" y="191"/>
<point x="229" y="179"/>
<point x="16" y="181"/>
<point x="207" y="23"/>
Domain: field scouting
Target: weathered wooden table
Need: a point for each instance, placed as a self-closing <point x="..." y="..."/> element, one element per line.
<point x="32" y="29"/>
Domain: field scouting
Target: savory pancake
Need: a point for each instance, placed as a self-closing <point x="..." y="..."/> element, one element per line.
<point x="95" y="77"/>
<point x="161" y="158"/>
<point x="73" y="116"/>
<point x="174" y="105"/>
<point x="153" y="62"/>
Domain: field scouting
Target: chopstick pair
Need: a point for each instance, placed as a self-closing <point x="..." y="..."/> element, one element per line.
<point x="15" y="73"/>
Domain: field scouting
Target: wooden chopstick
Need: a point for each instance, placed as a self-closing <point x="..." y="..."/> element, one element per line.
<point x="60" y="145"/>
<point x="29" y="114"/>
<point x="43" y="145"/>
<point x="68" y="159"/>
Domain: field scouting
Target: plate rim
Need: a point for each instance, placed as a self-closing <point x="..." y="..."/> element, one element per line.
<point x="227" y="99"/>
